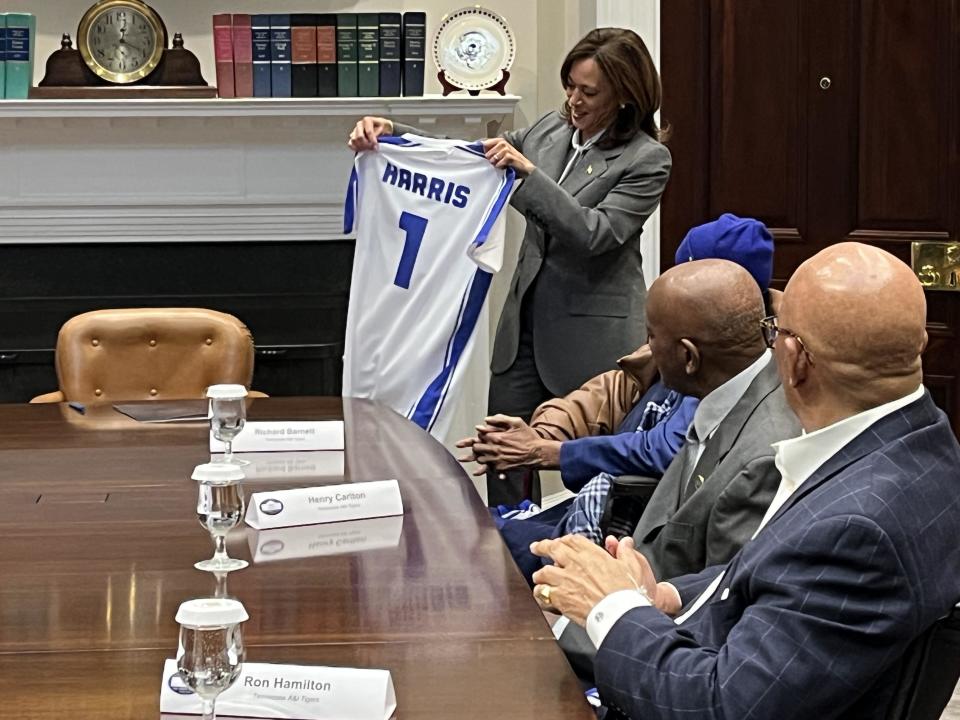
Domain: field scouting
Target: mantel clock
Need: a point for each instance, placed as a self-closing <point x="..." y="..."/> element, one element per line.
<point x="122" y="52"/>
<point x="122" y="41"/>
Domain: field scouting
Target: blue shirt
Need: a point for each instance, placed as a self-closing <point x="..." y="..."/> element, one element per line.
<point x="645" y="443"/>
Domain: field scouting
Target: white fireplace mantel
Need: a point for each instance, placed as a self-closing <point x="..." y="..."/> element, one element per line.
<point x="435" y="105"/>
<point x="198" y="170"/>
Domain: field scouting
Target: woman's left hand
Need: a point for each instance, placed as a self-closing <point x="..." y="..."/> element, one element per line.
<point x="502" y="154"/>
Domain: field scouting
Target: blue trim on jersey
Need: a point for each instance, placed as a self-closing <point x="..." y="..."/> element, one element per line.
<point x="397" y="140"/>
<point x="474" y="148"/>
<point x="446" y="361"/>
<point x="506" y="185"/>
<point x="428" y="408"/>
<point x="350" y="204"/>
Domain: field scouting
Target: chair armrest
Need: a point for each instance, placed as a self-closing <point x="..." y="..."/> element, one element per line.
<point x="51" y="397"/>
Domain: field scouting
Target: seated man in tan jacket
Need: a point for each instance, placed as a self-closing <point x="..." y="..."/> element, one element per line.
<point x="617" y="423"/>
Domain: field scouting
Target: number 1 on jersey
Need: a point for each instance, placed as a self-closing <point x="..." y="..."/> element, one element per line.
<point x="414" y="226"/>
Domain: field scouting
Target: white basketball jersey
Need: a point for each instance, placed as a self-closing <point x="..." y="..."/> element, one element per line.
<point x="428" y="216"/>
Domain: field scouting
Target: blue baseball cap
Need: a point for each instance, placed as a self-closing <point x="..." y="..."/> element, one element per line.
<point x="745" y="241"/>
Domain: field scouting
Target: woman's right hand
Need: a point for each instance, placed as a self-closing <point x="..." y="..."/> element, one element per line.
<point x="364" y="135"/>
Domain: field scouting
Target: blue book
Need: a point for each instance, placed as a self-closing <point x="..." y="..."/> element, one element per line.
<point x="261" y="56"/>
<point x="280" y="56"/>
<point x="3" y="54"/>
<point x="21" y="35"/>
<point x="414" y="52"/>
<point x="391" y="54"/>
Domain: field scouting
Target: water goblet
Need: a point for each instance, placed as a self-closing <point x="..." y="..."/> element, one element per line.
<point x="220" y="506"/>
<point x="220" y="589"/>
<point x="228" y="414"/>
<point x="211" y="653"/>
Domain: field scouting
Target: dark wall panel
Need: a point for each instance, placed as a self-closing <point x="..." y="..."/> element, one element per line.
<point x="292" y="296"/>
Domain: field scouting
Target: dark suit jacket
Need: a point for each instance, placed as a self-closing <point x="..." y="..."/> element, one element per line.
<point x="582" y="245"/>
<point x="812" y="616"/>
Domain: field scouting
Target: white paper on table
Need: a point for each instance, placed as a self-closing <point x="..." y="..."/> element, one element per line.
<point x="291" y="692"/>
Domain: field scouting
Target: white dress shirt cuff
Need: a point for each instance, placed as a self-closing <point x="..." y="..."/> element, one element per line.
<point x="559" y="626"/>
<point x="606" y="613"/>
<point x="673" y="590"/>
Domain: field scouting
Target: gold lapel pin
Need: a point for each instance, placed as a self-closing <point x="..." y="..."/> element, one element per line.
<point x="589" y="169"/>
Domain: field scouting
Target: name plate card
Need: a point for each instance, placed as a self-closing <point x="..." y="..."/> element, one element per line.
<point x="285" y="436"/>
<point x="326" y="504"/>
<point x="293" y="692"/>
<point x="329" y="539"/>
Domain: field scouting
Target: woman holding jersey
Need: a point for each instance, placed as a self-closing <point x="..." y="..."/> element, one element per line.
<point x="592" y="172"/>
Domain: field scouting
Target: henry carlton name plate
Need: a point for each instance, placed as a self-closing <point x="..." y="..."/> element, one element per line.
<point x="327" y="504"/>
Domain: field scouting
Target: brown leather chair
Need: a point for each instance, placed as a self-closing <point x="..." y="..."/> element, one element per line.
<point x="149" y="354"/>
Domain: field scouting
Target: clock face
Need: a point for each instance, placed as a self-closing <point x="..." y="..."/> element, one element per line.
<point x="121" y="40"/>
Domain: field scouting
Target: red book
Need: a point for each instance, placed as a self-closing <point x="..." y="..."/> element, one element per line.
<point x="327" y="43"/>
<point x="303" y="42"/>
<point x="243" y="55"/>
<point x="223" y="54"/>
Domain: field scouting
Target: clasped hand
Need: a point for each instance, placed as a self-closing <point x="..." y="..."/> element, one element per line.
<point x="583" y="574"/>
<point x="502" y="442"/>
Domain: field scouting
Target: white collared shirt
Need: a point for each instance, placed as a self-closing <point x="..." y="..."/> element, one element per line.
<point x="796" y="459"/>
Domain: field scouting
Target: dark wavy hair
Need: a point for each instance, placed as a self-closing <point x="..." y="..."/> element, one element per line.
<point x="626" y="64"/>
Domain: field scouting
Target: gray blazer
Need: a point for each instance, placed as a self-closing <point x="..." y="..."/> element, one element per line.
<point x="721" y="513"/>
<point x="684" y="533"/>
<point x="582" y="245"/>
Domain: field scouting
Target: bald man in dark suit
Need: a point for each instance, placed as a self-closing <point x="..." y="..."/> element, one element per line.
<point x="855" y="558"/>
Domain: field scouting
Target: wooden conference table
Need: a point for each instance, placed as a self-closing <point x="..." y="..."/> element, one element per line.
<point x="98" y="536"/>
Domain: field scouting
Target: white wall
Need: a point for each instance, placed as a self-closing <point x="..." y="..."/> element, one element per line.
<point x="643" y="17"/>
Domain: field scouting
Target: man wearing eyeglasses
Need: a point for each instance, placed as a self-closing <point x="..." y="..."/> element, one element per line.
<point x="855" y="558"/>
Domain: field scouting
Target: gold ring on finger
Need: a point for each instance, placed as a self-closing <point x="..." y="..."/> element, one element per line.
<point x="545" y="594"/>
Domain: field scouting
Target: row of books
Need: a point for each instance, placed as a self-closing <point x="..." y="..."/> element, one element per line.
<point x="320" y="55"/>
<point x="18" y="33"/>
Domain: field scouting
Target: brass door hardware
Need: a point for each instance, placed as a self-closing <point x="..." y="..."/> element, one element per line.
<point x="936" y="264"/>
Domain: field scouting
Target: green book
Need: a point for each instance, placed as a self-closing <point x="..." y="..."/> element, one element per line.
<point x="347" y="70"/>
<point x="3" y="54"/>
<point x="21" y="36"/>
<point x="368" y="34"/>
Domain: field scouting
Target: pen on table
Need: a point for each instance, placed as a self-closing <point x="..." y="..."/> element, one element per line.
<point x="79" y="407"/>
